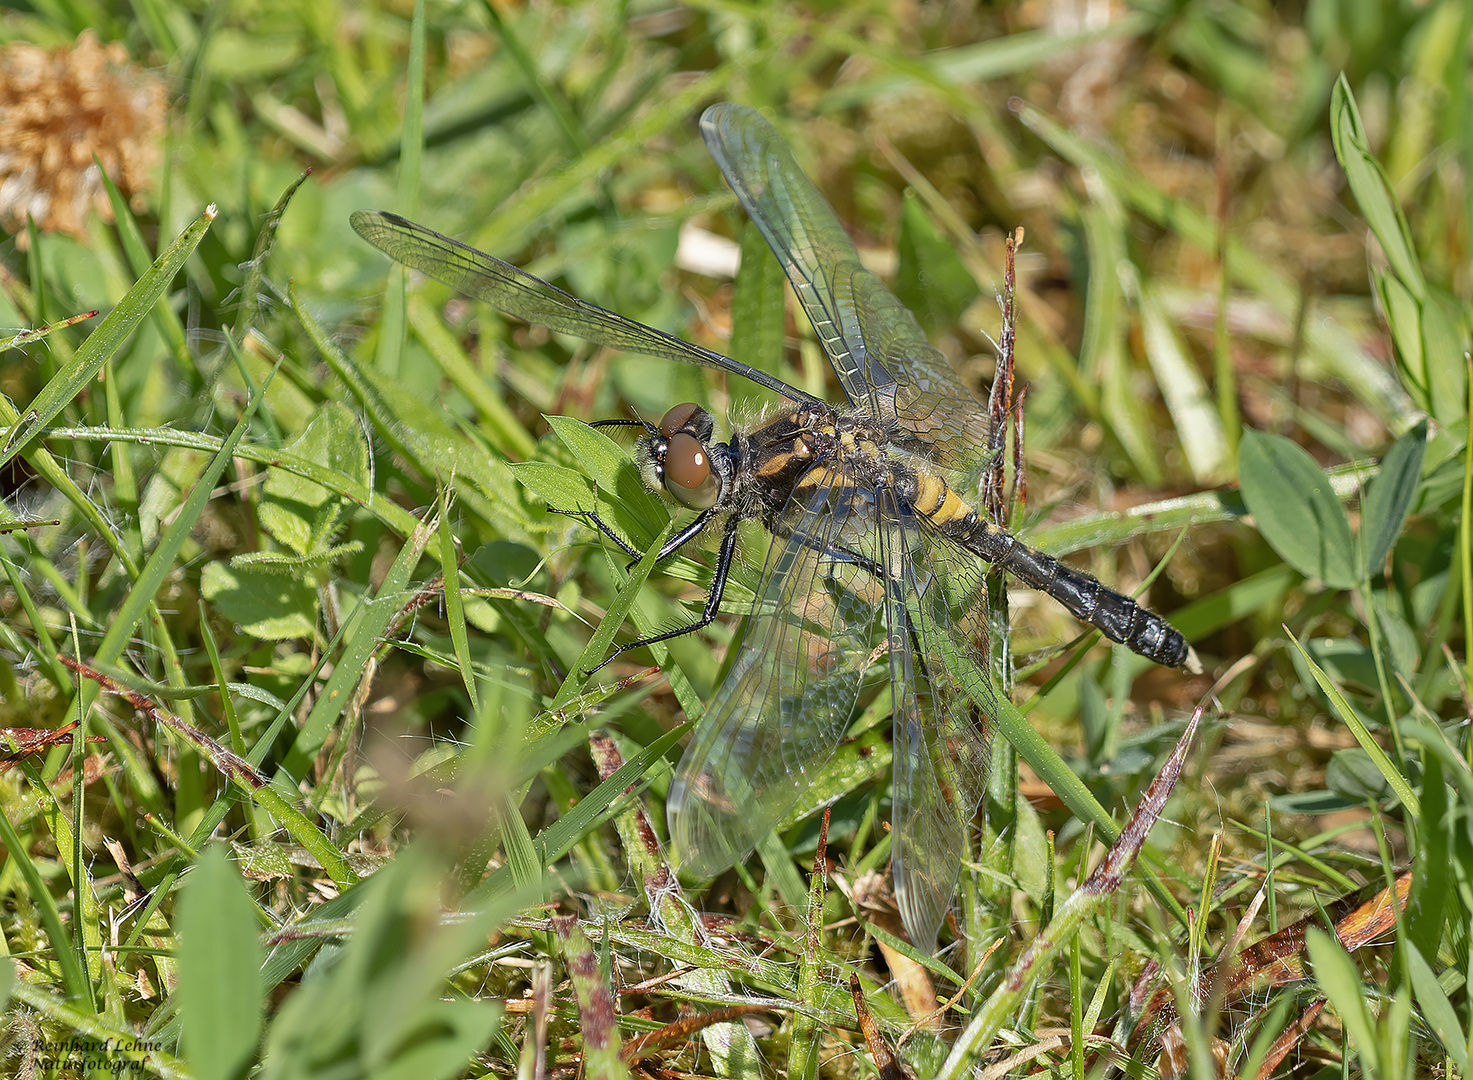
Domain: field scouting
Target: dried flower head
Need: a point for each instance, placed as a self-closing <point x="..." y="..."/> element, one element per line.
<point x="58" y="109"/>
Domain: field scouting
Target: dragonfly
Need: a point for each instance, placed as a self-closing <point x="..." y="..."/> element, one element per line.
<point x="877" y="554"/>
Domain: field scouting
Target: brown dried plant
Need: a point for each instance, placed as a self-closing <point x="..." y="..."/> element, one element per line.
<point x="64" y="111"/>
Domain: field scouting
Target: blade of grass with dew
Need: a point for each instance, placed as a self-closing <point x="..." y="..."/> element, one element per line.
<point x="136" y="252"/>
<point x="104" y="341"/>
<point x="37" y="333"/>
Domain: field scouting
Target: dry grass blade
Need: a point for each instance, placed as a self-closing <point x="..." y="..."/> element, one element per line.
<point x="1274" y="961"/>
<point x="687" y="1027"/>
<point x="889" y="1066"/>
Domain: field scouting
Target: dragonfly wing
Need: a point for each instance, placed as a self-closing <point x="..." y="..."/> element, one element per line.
<point x="941" y="740"/>
<point x="784" y="705"/>
<point x="516" y="292"/>
<point x="931" y="402"/>
<point x="879" y="352"/>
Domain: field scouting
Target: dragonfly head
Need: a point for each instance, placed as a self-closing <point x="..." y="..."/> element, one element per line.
<point x="680" y="449"/>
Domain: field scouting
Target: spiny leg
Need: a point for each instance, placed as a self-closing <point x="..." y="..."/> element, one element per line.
<point x="724" y="556"/>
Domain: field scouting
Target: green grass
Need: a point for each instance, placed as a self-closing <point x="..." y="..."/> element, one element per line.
<point x="276" y="531"/>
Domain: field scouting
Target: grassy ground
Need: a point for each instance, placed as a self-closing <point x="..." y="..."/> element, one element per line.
<point x="343" y="802"/>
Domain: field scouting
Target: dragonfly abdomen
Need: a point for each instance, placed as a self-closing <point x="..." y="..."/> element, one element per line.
<point x="1116" y="615"/>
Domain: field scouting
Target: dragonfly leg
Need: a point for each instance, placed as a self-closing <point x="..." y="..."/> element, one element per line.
<point x="602" y="526"/>
<point x="724" y="556"/>
<point x="674" y="544"/>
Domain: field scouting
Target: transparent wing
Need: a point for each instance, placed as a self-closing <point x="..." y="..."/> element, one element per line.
<point x="882" y="357"/>
<point x="934" y="609"/>
<point x="516" y="292"/>
<point x="784" y="705"/>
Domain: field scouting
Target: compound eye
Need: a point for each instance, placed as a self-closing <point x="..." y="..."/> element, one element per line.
<point x="677" y="418"/>
<point x="688" y="476"/>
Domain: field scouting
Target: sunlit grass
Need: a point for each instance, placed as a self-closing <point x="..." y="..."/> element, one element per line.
<point x="289" y="511"/>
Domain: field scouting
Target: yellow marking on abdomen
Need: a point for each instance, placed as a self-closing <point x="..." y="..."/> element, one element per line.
<point x="936" y="500"/>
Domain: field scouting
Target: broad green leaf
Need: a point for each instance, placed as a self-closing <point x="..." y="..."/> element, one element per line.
<point x="931" y="281"/>
<point x="442" y="1038"/>
<point x="1404" y="320"/>
<point x="1340" y="982"/>
<point x="561" y="487"/>
<point x="597" y="455"/>
<point x="268" y="605"/>
<point x="220" y="959"/>
<point x="1390" y="497"/>
<point x="1354" y="776"/>
<point x="611" y="467"/>
<point x="1372" y="189"/>
<point x="334" y="439"/>
<point x="1297" y="511"/>
<point x="1437" y="1010"/>
<point x="1444" y="343"/>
